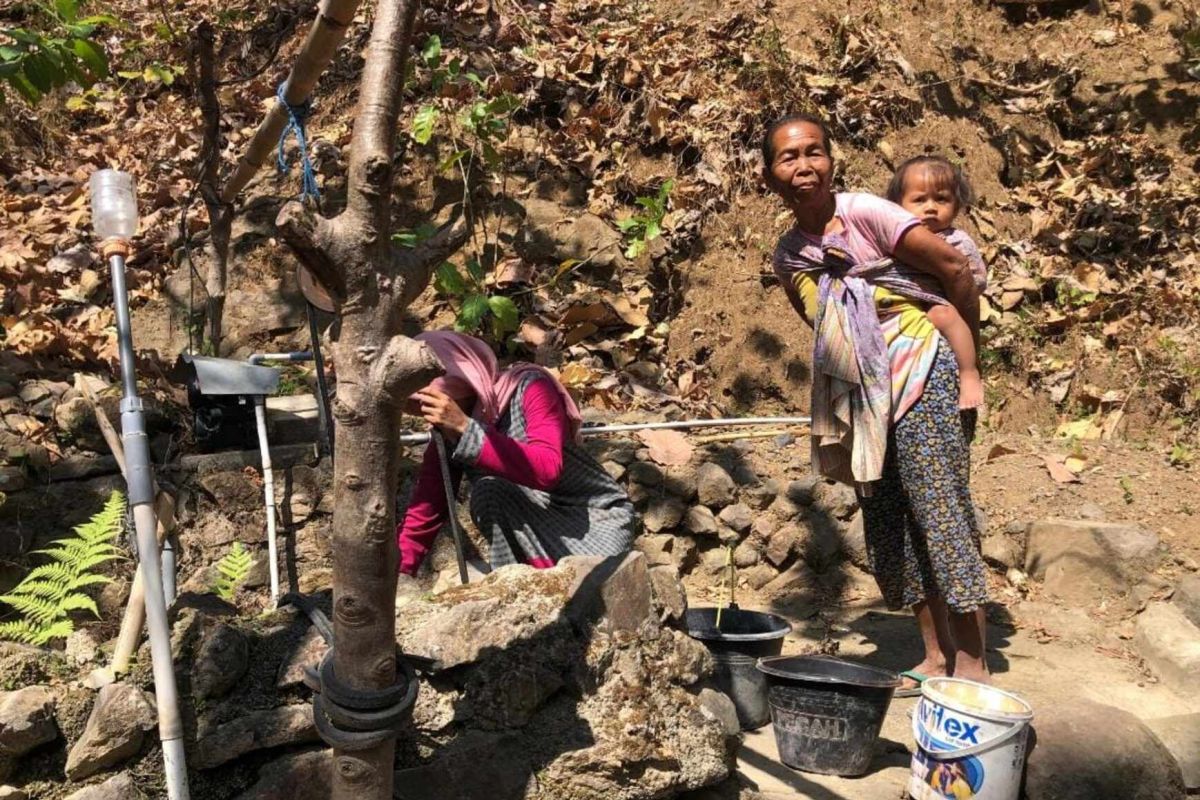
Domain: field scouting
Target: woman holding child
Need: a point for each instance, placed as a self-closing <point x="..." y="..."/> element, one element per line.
<point x="895" y="310"/>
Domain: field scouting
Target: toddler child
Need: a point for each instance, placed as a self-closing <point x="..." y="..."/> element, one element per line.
<point x="935" y="191"/>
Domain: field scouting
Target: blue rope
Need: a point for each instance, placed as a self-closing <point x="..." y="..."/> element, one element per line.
<point x="297" y="118"/>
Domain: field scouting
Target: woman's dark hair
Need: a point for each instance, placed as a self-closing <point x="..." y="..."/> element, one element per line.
<point x="941" y="172"/>
<point x="768" y="148"/>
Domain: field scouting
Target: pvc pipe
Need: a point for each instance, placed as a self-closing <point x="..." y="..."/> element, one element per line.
<point x="598" y="430"/>
<point x="258" y="358"/>
<point x="140" y="482"/>
<point x="260" y="418"/>
<point x="168" y="570"/>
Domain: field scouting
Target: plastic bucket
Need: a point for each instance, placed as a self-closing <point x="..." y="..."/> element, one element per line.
<point x="827" y="712"/>
<point x="743" y="638"/>
<point x="970" y="741"/>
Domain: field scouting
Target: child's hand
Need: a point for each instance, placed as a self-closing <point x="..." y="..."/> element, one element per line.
<point x="970" y="390"/>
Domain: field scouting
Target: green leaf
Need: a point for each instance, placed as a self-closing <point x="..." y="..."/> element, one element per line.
<point x="636" y="248"/>
<point x="474" y="308"/>
<point x="41" y="72"/>
<point x="504" y="104"/>
<point x="100" y="19"/>
<point x="431" y="53"/>
<point x="630" y="224"/>
<point x="490" y="155"/>
<point x="67" y="10"/>
<point x="475" y="79"/>
<point x="92" y="56"/>
<point x="453" y="159"/>
<point x="505" y="311"/>
<point x="475" y="270"/>
<point x="423" y="123"/>
<point x="448" y="281"/>
<point x="653" y="230"/>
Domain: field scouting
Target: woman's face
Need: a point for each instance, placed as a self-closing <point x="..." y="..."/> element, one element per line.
<point x="801" y="171"/>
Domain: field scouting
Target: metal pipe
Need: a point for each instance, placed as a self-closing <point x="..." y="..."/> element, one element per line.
<point x="259" y="358"/>
<point x="140" y="482"/>
<point x="451" y="511"/>
<point x="260" y="418"/>
<point x="599" y="430"/>
<point x="314" y="335"/>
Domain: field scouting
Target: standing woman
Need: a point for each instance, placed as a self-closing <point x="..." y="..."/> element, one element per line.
<point x="885" y="389"/>
<point x="535" y="493"/>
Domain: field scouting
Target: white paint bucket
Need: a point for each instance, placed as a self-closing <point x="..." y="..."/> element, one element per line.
<point x="970" y="742"/>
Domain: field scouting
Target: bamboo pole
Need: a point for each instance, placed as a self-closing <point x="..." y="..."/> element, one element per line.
<point x="323" y="40"/>
<point x="135" y="608"/>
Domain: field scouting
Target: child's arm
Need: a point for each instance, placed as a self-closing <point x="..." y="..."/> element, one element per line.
<point x="958" y="334"/>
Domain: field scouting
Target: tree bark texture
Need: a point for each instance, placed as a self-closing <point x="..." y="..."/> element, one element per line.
<point x="220" y="213"/>
<point x="371" y="281"/>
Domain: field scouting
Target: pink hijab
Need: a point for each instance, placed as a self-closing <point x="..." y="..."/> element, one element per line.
<point x="472" y="371"/>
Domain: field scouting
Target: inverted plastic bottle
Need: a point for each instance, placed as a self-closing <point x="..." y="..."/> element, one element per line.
<point x="114" y="204"/>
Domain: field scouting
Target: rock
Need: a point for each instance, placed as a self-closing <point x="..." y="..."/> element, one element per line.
<point x="743" y="474"/>
<point x="667" y="594"/>
<point x="684" y="553"/>
<point x="12" y="479"/>
<point x="719" y="707"/>
<point x="82" y="646"/>
<point x="1084" y="561"/>
<point x="1181" y="735"/>
<point x="1090" y="511"/>
<point x="780" y="544"/>
<point x="12" y="793"/>
<point x="32" y="392"/>
<point x="491" y="765"/>
<point x="1170" y="645"/>
<point x="221" y="661"/>
<point x="797" y="577"/>
<point x="854" y="543"/>
<point x="115" y="730"/>
<point x="745" y="555"/>
<point x="645" y="473"/>
<point x="640" y="493"/>
<point x="714" y="487"/>
<point x="118" y="787"/>
<point x="612" y="594"/>
<point x="836" y="498"/>
<point x="76" y="422"/>
<point x="738" y="516"/>
<point x="701" y="521"/>
<point x="1187" y="598"/>
<point x="258" y="730"/>
<point x="1088" y="751"/>
<point x="301" y="776"/>
<point x="680" y="480"/>
<point x="615" y="469"/>
<point x="1002" y="551"/>
<point x="803" y="492"/>
<point x="26" y="721"/>
<point x="657" y="548"/>
<point x="759" y="576"/>
<point x="264" y="306"/>
<point x="760" y="496"/>
<point x="783" y="509"/>
<point x="552" y="233"/>
<point x="663" y="513"/>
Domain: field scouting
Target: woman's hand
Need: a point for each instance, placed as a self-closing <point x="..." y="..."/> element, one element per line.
<point x="440" y="409"/>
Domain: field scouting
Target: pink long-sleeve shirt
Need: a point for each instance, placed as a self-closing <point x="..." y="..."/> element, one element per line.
<point x="536" y="463"/>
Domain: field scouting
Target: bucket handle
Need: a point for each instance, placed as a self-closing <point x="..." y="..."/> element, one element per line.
<point x="949" y="755"/>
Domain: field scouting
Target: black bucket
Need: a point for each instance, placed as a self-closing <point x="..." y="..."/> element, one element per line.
<point x="744" y="637"/>
<point x="827" y="712"/>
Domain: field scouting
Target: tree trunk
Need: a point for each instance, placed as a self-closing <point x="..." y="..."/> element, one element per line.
<point x="371" y="281"/>
<point x="220" y="213"/>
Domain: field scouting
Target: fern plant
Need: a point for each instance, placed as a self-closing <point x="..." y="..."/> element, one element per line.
<point x="232" y="569"/>
<point x="50" y="592"/>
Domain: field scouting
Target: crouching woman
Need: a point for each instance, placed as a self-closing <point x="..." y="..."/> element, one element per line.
<point x="536" y="494"/>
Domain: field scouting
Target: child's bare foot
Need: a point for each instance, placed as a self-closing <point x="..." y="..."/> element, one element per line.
<point x="970" y="390"/>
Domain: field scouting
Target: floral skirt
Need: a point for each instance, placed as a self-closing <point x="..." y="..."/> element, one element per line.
<point x="921" y="532"/>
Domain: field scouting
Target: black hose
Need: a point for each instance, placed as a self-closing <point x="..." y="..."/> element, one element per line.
<point x="459" y="548"/>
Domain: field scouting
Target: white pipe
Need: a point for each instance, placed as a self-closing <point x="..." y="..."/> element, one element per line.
<point x="260" y="417"/>
<point x="598" y="430"/>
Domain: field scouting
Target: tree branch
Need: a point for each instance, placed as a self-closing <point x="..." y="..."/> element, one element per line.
<point x="310" y="236"/>
<point x="220" y="213"/>
<point x="414" y="266"/>
<point x="404" y="367"/>
<point x="370" y="180"/>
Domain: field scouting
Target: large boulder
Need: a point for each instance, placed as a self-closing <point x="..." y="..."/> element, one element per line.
<point x="1187" y="598"/>
<point x="560" y="683"/>
<point x="300" y="776"/>
<point x="115" y="730"/>
<point x="1170" y="645"/>
<point x="258" y="730"/>
<point x="1181" y="735"/>
<point x="1089" y="751"/>
<point x="553" y="233"/>
<point x="26" y="721"/>
<point x="1084" y="561"/>
<point x="220" y="662"/>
